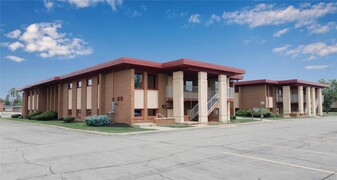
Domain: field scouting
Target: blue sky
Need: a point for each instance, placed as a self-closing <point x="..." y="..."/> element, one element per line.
<point x="270" y="40"/>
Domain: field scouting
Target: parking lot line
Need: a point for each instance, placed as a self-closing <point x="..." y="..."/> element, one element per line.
<point x="303" y="150"/>
<point x="279" y="162"/>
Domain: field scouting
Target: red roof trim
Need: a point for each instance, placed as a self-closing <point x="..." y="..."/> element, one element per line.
<point x="282" y="82"/>
<point x="145" y="63"/>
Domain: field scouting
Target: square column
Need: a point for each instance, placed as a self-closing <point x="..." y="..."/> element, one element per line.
<point x="223" y="98"/>
<point x="313" y="101"/>
<point x="178" y="96"/>
<point x="286" y="101"/>
<point x="300" y="100"/>
<point x="320" y="102"/>
<point x="202" y="97"/>
<point x="308" y="101"/>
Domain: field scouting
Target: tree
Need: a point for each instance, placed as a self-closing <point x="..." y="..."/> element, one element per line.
<point x="13" y="96"/>
<point x="330" y="93"/>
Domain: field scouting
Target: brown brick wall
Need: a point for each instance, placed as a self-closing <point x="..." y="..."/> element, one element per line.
<point x="42" y="99"/>
<point x="108" y="92"/>
<point x="251" y="96"/>
<point x="124" y="87"/>
<point x="64" y="99"/>
<point x="94" y="96"/>
<point x="83" y="98"/>
<point x="162" y="82"/>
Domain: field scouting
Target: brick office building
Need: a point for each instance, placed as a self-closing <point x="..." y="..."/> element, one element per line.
<point x="136" y="90"/>
<point x="287" y="98"/>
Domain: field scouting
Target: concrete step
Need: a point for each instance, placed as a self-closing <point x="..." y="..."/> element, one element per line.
<point x="143" y="125"/>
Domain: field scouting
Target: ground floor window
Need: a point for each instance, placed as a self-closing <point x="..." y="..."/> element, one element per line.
<point x="151" y="112"/>
<point x="88" y="112"/>
<point x="138" y="113"/>
<point x="78" y="112"/>
<point x="69" y="111"/>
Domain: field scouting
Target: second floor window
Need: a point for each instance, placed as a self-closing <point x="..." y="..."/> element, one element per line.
<point x="70" y="85"/>
<point x="138" y="80"/>
<point x="152" y="81"/>
<point x="89" y="82"/>
<point x="79" y="84"/>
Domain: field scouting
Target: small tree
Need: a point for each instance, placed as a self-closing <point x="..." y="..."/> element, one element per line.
<point x="14" y="97"/>
<point x="330" y="93"/>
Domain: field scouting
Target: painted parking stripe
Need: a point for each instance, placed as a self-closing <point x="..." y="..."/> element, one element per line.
<point x="303" y="150"/>
<point x="279" y="162"/>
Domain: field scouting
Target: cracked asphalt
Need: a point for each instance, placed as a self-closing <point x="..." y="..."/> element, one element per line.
<point x="288" y="149"/>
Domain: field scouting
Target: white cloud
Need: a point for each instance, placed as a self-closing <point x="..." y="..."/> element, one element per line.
<point x="15" y="45"/>
<point x="316" y="67"/>
<point x="263" y="14"/>
<point x="194" y="19"/>
<point x="48" y="4"/>
<point x="281" y="32"/>
<point x="213" y="19"/>
<point x="45" y="40"/>
<point x="14" y="34"/>
<point x="311" y="51"/>
<point x="281" y="49"/>
<point x="321" y="29"/>
<point x="15" y="58"/>
<point x="89" y="3"/>
<point x="136" y="13"/>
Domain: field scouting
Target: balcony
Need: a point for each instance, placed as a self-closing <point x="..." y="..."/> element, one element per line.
<point x="293" y="97"/>
<point x="191" y="93"/>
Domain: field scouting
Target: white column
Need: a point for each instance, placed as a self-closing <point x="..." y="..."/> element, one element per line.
<point x="308" y="101"/>
<point x="286" y="101"/>
<point x="313" y="101"/>
<point x="300" y="100"/>
<point x="222" y="98"/>
<point x="178" y="96"/>
<point x="320" y="102"/>
<point x="202" y="97"/>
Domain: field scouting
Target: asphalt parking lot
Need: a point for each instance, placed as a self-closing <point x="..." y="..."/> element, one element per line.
<point x="287" y="149"/>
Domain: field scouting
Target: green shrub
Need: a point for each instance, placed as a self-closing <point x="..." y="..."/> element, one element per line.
<point x="48" y="115"/>
<point x="241" y="113"/>
<point x="233" y="117"/>
<point x="97" y="120"/>
<point x="68" y="119"/>
<point x="274" y="115"/>
<point x="265" y="113"/>
<point x="16" y="116"/>
<point x="29" y="116"/>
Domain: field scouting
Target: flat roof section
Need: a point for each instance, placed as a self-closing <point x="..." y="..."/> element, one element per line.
<point x="295" y="82"/>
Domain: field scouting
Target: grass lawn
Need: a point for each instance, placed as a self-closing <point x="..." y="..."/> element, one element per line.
<point x="244" y="120"/>
<point x="82" y="126"/>
<point x="177" y="126"/>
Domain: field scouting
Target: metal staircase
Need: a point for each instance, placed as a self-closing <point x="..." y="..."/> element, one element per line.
<point x="211" y="105"/>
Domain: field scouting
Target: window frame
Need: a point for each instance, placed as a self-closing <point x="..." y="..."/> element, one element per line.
<point x="79" y="84"/>
<point x="156" y="79"/>
<point x="142" y="80"/>
<point x="155" y="112"/>
<point x="89" y="80"/>
<point x="70" y="85"/>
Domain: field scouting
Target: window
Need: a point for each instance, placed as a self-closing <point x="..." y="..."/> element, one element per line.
<point x="79" y="84"/>
<point x="237" y="89"/>
<point x="138" y="112"/>
<point x="138" y="80"/>
<point x="88" y="112"/>
<point x="152" y="81"/>
<point x="70" y="85"/>
<point x="151" y="112"/>
<point x="69" y="112"/>
<point x="89" y="82"/>
<point x="78" y="112"/>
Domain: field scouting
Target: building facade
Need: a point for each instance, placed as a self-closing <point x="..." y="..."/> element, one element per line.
<point x="136" y="91"/>
<point x="288" y="98"/>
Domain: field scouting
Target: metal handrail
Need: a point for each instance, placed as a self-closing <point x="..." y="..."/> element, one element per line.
<point x="210" y="104"/>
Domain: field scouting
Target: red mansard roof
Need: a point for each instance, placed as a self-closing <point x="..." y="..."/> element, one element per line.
<point x="282" y="82"/>
<point x="168" y="66"/>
